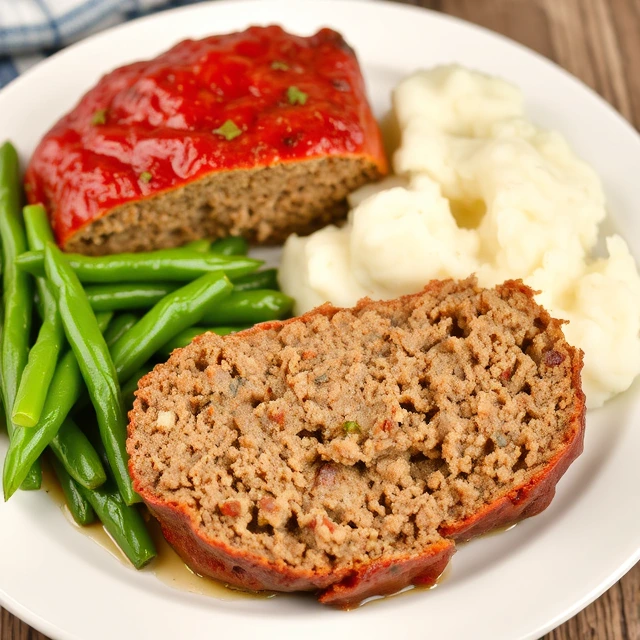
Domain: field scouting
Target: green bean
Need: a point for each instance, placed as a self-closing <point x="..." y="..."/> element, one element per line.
<point x="230" y="246"/>
<point x="79" y="507"/>
<point x="174" y="313"/>
<point x="130" y="387"/>
<point x="265" y="279"/>
<point x="202" y="245"/>
<point x="27" y="444"/>
<point x="123" y="523"/>
<point x="111" y="328"/>
<point x="174" y="265"/>
<point x="142" y="295"/>
<point x="249" y="307"/>
<point x="96" y="365"/>
<point x="78" y="456"/>
<point x="18" y="294"/>
<point x="115" y="297"/>
<point x="186" y="337"/>
<point x="104" y="318"/>
<point x="43" y="356"/>
<point x="118" y="327"/>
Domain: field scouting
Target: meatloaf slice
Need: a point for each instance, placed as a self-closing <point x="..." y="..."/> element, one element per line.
<point x="346" y="450"/>
<point x="260" y="133"/>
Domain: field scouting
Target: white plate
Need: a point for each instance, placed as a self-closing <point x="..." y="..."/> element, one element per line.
<point x="511" y="586"/>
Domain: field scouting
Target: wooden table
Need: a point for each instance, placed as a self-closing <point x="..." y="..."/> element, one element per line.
<point x="599" y="42"/>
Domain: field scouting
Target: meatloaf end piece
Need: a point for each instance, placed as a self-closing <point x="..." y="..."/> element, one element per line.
<point x="258" y="133"/>
<point x="346" y="450"/>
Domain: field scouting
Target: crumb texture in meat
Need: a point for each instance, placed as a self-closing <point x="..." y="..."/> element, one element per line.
<point x="345" y="437"/>
<point x="264" y="204"/>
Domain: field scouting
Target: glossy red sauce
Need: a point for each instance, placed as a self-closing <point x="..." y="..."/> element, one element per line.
<point x="150" y="126"/>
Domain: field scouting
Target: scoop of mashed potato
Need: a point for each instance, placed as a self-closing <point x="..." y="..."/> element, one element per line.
<point x="480" y="189"/>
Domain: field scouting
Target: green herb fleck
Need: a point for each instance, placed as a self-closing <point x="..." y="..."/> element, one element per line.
<point x="295" y="96"/>
<point x="145" y="177"/>
<point x="229" y="130"/>
<point x="323" y="377"/>
<point x="278" y="65"/>
<point x="500" y="439"/>
<point x="351" y="427"/>
<point x="99" y="117"/>
<point x="235" y="385"/>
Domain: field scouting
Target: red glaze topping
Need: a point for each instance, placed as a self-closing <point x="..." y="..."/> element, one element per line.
<point x="236" y="101"/>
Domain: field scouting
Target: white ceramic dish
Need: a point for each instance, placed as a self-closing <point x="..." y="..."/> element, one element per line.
<point x="511" y="586"/>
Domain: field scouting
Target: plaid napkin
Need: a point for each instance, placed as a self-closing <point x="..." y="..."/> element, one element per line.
<point x="30" y="30"/>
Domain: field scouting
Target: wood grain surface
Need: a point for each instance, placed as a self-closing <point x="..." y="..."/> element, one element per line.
<point x="599" y="42"/>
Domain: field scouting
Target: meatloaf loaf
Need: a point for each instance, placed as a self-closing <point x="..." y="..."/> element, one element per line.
<point x="347" y="450"/>
<point x="258" y="133"/>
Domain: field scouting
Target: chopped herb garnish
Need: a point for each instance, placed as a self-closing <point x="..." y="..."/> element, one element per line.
<point x="145" y="177"/>
<point x="234" y="385"/>
<point x="323" y="377"/>
<point x="295" y="96"/>
<point x="500" y="439"/>
<point x="351" y="427"/>
<point x="278" y="65"/>
<point x="291" y="141"/>
<point x="229" y="130"/>
<point x="99" y="117"/>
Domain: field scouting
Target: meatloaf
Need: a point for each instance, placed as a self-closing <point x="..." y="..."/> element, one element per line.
<point x="259" y="133"/>
<point x="345" y="451"/>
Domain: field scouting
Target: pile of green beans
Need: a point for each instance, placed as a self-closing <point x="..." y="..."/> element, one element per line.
<point x="103" y="323"/>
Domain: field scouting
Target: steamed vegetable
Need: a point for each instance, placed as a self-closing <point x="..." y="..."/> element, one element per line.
<point x="249" y="307"/>
<point x="123" y="523"/>
<point x="174" y="313"/>
<point x="43" y="355"/>
<point x="230" y="246"/>
<point x="135" y="295"/>
<point x="265" y="279"/>
<point x="28" y="443"/>
<point x="97" y="368"/>
<point x="17" y="294"/>
<point x="79" y="507"/>
<point x="174" y="265"/>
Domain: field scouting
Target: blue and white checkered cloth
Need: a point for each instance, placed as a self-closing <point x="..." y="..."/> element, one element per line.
<point x="30" y="30"/>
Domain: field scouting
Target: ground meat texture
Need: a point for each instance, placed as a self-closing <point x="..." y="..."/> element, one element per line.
<point x="346" y="450"/>
<point x="265" y="205"/>
<point x="258" y="133"/>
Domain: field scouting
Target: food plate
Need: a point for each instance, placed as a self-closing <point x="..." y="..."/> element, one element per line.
<point x="514" y="585"/>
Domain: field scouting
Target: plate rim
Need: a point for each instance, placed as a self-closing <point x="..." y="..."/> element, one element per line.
<point x="43" y="625"/>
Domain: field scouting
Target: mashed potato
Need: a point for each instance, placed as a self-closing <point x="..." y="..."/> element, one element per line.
<point x="481" y="189"/>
